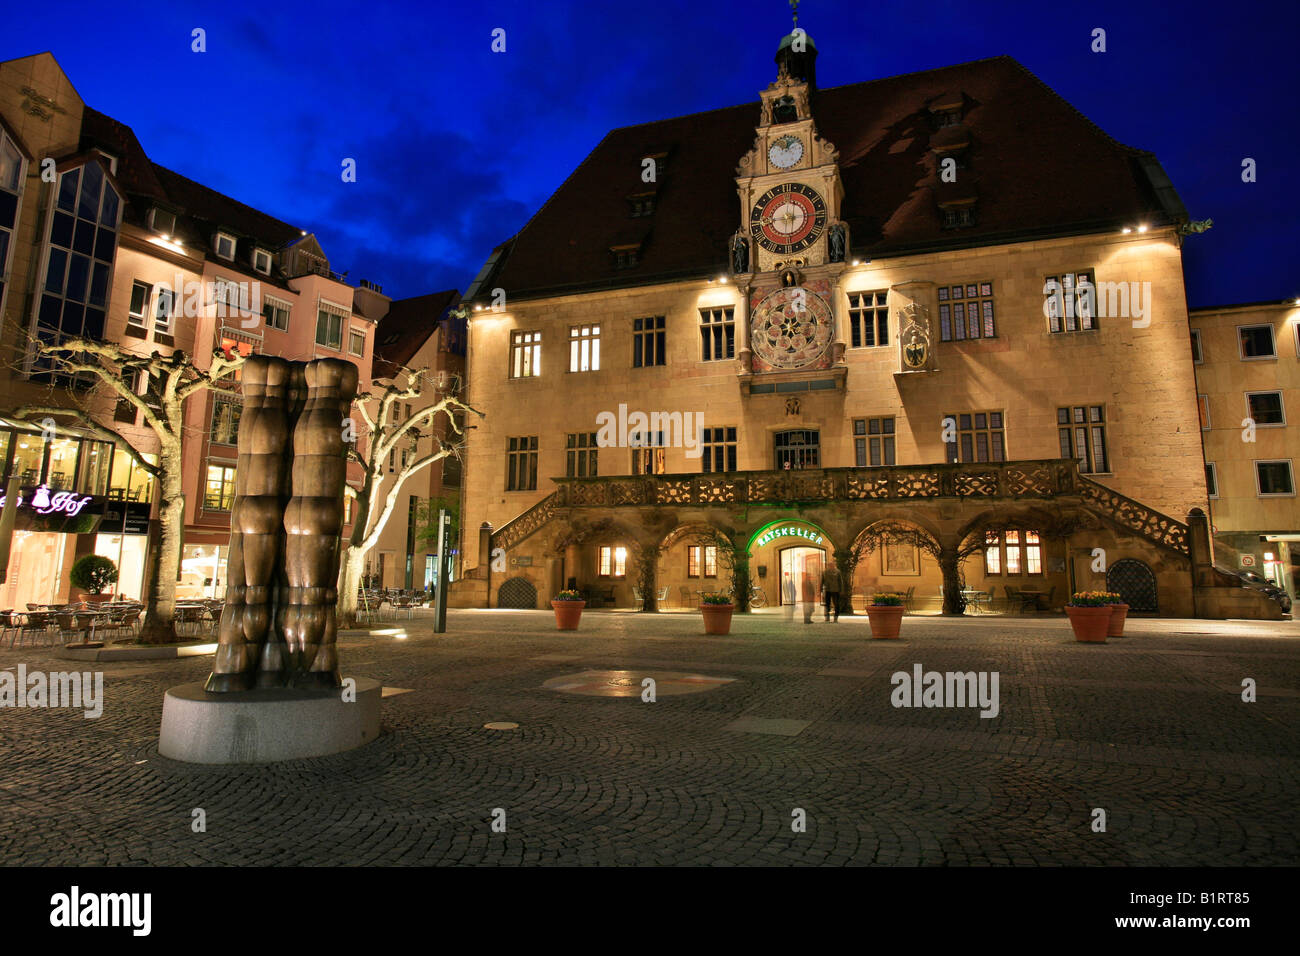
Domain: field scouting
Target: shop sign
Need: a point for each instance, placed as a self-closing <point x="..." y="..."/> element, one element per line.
<point x="137" y="517"/>
<point x="788" y="531"/>
<point x="63" y="503"/>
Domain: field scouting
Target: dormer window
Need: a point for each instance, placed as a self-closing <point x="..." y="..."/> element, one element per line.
<point x="958" y="215"/>
<point x="641" y="204"/>
<point x="162" y="221"/>
<point x="262" y="261"/>
<point x="625" y="257"/>
<point x="224" y="244"/>
<point x="947" y="110"/>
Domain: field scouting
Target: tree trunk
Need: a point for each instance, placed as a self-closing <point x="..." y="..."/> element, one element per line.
<point x="351" y="570"/>
<point x="160" y="606"/>
<point x="949" y="564"/>
<point x="740" y="580"/>
<point x="647" y="560"/>
<point x="846" y="559"/>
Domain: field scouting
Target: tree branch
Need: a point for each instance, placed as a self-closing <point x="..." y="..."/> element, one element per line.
<point x="26" y="412"/>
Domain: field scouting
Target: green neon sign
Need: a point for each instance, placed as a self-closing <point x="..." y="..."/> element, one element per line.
<point x="784" y="529"/>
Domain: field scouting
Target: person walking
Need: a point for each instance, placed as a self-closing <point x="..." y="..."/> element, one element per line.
<point x="831" y="591"/>
<point x="809" y="589"/>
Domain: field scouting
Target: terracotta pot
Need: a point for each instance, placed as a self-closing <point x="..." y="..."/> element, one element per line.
<point x="717" y="618"/>
<point x="1090" y="623"/>
<point x="885" y="621"/>
<point x="568" y="614"/>
<point x="1118" y="614"/>
<point x="87" y="598"/>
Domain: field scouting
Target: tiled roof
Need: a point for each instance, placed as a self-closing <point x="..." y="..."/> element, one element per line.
<point x="406" y="328"/>
<point x="1037" y="166"/>
<point x="211" y="210"/>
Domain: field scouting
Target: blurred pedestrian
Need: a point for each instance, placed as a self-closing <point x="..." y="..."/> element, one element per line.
<point x="831" y="591"/>
<point x="788" y="597"/>
<point x="809" y="588"/>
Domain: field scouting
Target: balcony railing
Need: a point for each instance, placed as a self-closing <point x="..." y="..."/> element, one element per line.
<point x="1010" y="480"/>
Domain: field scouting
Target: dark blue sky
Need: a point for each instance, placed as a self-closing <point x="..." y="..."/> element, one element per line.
<point x="457" y="146"/>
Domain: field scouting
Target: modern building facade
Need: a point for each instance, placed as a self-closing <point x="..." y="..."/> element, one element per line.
<point x="96" y="240"/>
<point x="943" y="302"/>
<point x="1247" y="360"/>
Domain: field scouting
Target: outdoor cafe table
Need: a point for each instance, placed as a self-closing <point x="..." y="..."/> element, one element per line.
<point x="1035" y="594"/>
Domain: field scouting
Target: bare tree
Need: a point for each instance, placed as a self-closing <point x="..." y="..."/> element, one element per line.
<point x="384" y="434"/>
<point x="172" y="379"/>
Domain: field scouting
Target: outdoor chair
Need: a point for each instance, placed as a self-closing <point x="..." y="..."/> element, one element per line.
<point x="34" y="624"/>
<point x="909" y="596"/>
<point x="1014" y="602"/>
<point x="685" y="596"/>
<point x="636" y="595"/>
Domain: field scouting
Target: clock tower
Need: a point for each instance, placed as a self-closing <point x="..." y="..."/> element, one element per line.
<point x="789" y="251"/>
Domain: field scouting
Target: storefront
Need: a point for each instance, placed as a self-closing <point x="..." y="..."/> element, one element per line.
<point x="785" y="554"/>
<point x="203" y="572"/>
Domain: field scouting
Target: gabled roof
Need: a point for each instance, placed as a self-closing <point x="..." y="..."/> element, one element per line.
<point x="1037" y="166"/>
<point x="407" y="326"/>
<point x="212" y="212"/>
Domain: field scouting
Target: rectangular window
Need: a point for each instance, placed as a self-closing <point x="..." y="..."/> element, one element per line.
<point x="873" y="442"/>
<point x="1256" y="341"/>
<point x="868" y="319"/>
<point x="613" y="562"/>
<point x="1198" y="355"/>
<point x="1211" y="479"/>
<point x="329" y="329"/>
<point x="225" y="421"/>
<point x="139" y="303"/>
<point x="276" y="314"/>
<point x="219" y="494"/>
<point x="648" y="342"/>
<point x="580" y="450"/>
<point x="647" y="452"/>
<point x="262" y="261"/>
<point x="976" y="436"/>
<point x="525" y="354"/>
<point x="356" y="342"/>
<point x="164" y="307"/>
<point x="1071" y="302"/>
<point x="966" y="312"/>
<point x="717" y="334"/>
<point x="1033" y="553"/>
<point x="521" y="464"/>
<point x="1082" y="433"/>
<point x="584" y="348"/>
<point x="1011" y="551"/>
<point x="992" y="553"/>
<point x="701" y="561"/>
<point x="224" y="245"/>
<point x="1274" y="477"/>
<point x="1203" y="409"/>
<point x="1265" y="408"/>
<point x="719" y="449"/>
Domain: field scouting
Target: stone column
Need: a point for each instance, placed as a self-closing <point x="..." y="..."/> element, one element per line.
<point x="743" y="354"/>
<point x="841" y="341"/>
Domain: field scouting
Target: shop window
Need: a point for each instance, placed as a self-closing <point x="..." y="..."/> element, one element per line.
<point x="1013" y="552"/>
<point x="219" y="494"/>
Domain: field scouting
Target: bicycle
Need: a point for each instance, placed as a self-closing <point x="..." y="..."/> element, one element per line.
<point x="757" y="597"/>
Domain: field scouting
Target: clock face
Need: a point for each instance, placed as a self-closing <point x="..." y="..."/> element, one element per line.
<point x="791" y="328"/>
<point x="786" y="151"/>
<point x="788" y="218"/>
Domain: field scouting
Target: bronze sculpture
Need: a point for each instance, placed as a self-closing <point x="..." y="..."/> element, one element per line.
<point x="278" y="627"/>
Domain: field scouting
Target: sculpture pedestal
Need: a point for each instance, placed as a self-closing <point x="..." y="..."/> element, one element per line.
<point x="266" y="725"/>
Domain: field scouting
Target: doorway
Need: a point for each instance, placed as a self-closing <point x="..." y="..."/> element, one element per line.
<point x="796" y="564"/>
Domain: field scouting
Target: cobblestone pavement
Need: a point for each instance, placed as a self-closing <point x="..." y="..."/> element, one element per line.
<point x="1150" y="728"/>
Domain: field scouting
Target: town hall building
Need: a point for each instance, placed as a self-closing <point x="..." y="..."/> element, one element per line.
<point x="931" y="327"/>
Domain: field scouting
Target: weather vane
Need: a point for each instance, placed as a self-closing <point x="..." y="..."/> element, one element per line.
<point x="794" y="7"/>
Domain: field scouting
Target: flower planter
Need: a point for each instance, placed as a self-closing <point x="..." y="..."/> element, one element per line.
<point x="568" y="614"/>
<point x="717" y="618"/>
<point x="886" y="620"/>
<point x="87" y="598"/>
<point x="1090" y="624"/>
<point x="1118" y="614"/>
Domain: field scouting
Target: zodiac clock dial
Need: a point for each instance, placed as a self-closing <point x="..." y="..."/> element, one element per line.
<point x="788" y="218"/>
<point x="791" y="328"/>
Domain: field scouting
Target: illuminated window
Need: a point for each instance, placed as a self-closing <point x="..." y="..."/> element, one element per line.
<point x="584" y="348"/>
<point x="220" y="492"/>
<point x="1013" y="552"/>
<point x="707" y="555"/>
<point x="525" y="354"/>
<point x="613" y="562"/>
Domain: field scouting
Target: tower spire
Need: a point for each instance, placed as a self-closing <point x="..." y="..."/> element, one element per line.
<point x="794" y="8"/>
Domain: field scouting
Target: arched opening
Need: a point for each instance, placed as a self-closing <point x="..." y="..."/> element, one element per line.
<point x="787" y="559"/>
<point x="518" y="593"/>
<point x="895" y="556"/>
<point x="1135" y="582"/>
